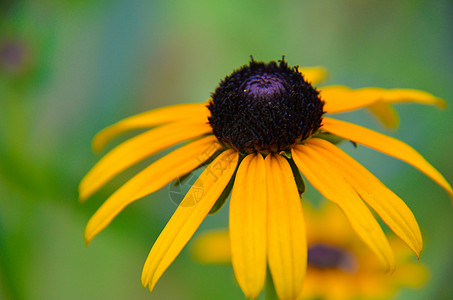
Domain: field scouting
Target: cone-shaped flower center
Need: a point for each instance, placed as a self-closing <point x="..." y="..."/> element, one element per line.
<point x="264" y="107"/>
<point x="264" y="86"/>
<point x="323" y="256"/>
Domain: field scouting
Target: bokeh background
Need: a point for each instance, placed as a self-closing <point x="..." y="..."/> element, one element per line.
<point x="71" y="68"/>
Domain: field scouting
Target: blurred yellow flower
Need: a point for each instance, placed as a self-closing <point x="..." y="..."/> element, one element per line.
<point x="339" y="266"/>
<point x="263" y="124"/>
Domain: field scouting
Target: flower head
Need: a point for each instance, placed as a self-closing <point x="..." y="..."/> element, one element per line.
<point x="264" y="107"/>
<point x="263" y="124"/>
<point x="338" y="265"/>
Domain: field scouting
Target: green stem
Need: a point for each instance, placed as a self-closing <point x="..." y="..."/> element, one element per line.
<point x="271" y="294"/>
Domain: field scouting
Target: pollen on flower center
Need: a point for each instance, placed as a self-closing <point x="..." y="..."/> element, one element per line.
<point x="264" y="107"/>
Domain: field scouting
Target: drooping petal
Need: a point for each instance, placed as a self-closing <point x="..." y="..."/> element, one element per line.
<point x="340" y="98"/>
<point x="286" y="241"/>
<point x="154" y="177"/>
<point x="387" y="145"/>
<point x="314" y="75"/>
<point x="392" y="210"/>
<point x="247" y="224"/>
<point x="385" y="113"/>
<point x="197" y="111"/>
<point x="188" y="216"/>
<point x="135" y="150"/>
<point x="331" y="184"/>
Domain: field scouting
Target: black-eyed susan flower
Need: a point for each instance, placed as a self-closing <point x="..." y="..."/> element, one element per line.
<point x="263" y="124"/>
<point x="339" y="266"/>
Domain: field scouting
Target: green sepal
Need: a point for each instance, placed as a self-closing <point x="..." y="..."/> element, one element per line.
<point x="333" y="138"/>
<point x="297" y="177"/>
<point x="227" y="191"/>
<point x="330" y="137"/>
<point x="286" y="154"/>
<point x="224" y="196"/>
<point x="184" y="177"/>
<point x="180" y="180"/>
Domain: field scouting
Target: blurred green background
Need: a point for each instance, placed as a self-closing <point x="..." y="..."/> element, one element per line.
<point x="71" y="68"/>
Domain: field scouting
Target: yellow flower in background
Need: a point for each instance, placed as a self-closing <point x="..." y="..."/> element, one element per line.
<point x="336" y="259"/>
<point x="339" y="266"/>
<point x="263" y="124"/>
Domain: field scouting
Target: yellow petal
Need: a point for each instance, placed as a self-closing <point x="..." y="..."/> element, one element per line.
<point x="135" y="150"/>
<point x="287" y="241"/>
<point x="154" y="177"/>
<point x="247" y="223"/>
<point x="314" y="75"/>
<point x="331" y="184"/>
<point x="340" y="98"/>
<point x="213" y="247"/>
<point x="387" y="145"/>
<point x="385" y="113"/>
<point x="188" y="216"/>
<point x="392" y="210"/>
<point x="197" y="111"/>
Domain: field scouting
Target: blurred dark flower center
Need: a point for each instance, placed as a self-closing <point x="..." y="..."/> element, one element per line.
<point x="324" y="256"/>
<point x="11" y="55"/>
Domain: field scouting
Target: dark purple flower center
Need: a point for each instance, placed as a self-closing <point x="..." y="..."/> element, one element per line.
<point x="264" y="86"/>
<point x="264" y="107"/>
<point x="324" y="256"/>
